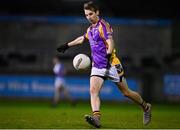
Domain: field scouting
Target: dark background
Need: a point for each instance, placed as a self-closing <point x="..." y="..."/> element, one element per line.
<point x="116" y="8"/>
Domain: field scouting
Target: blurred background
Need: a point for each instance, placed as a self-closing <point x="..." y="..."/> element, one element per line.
<point x="146" y="35"/>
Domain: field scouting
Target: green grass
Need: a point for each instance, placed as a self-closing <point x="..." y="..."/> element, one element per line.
<point x="28" y="114"/>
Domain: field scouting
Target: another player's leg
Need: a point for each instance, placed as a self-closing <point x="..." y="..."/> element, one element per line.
<point x="68" y="96"/>
<point x="56" y="95"/>
<point x="122" y="85"/>
<point x="95" y="86"/>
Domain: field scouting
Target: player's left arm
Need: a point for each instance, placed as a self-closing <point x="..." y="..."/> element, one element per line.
<point x="110" y="43"/>
<point x="106" y="33"/>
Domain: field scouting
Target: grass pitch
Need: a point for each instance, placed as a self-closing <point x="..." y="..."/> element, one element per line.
<point x="33" y="114"/>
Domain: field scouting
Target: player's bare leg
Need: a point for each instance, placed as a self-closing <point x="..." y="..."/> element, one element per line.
<point x="95" y="87"/>
<point x="136" y="98"/>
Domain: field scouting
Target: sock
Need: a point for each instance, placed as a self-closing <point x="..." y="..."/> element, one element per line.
<point x="144" y="106"/>
<point x="97" y="113"/>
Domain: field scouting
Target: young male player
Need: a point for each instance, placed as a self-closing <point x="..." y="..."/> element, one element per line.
<point x="105" y="64"/>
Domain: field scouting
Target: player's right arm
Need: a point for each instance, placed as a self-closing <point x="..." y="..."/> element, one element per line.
<point x="64" y="47"/>
<point x="77" y="41"/>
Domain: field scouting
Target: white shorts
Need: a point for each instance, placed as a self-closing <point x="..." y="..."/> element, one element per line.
<point x="59" y="82"/>
<point x="115" y="73"/>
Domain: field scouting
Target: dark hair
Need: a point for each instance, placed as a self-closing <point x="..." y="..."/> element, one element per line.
<point x="91" y="6"/>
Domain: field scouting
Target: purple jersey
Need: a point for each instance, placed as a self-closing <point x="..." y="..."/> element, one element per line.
<point x="97" y="36"/>
<point x="58" y="70"/>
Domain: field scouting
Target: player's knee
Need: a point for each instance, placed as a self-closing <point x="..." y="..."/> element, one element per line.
<point x="93" y="90"/>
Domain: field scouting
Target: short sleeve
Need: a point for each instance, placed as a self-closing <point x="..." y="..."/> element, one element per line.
<point x="86" y="34"/>
<point x="105" y="30"/>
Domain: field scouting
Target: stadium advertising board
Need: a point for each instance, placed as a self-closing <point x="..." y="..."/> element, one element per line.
<point x="43" y="87"/>
<point x="172" y="87"/>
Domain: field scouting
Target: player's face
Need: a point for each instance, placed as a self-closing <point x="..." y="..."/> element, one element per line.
<point x="92" y="16"/>
<point x="55" y="60"/>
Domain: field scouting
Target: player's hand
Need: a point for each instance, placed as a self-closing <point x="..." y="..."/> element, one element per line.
<point x="62" y="48"/>
<point x="108" y="56"/>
